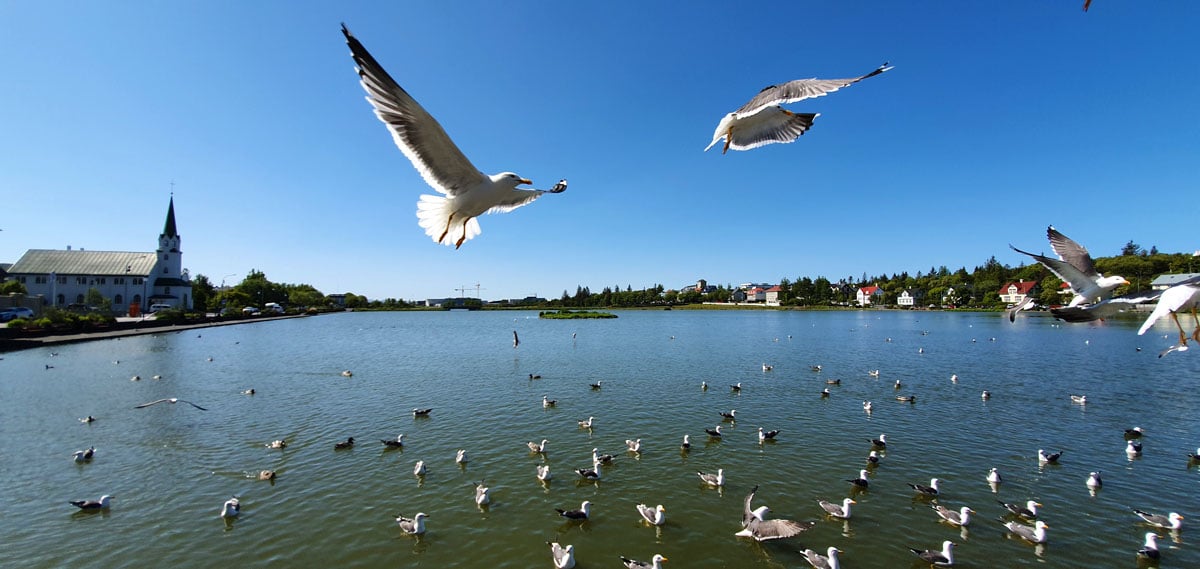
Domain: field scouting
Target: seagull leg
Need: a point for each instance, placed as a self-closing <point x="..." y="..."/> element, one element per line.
<point x="1182" y="334"/>
<point x="728" y="139"/>
<point x="464" y="234"/>
<point x="449" y="220"/>
<point x="1196" y="319"/>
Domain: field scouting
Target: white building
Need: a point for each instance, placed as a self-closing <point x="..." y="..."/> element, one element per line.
<point x="129" y="279"/>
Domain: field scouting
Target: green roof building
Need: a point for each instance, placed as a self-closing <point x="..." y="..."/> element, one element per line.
<point x="144" y="279"/>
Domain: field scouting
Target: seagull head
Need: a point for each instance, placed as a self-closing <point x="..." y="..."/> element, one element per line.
<point x="510" y="179"/>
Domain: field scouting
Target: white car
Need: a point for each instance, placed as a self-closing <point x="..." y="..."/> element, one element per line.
<point x="8" y="314"/>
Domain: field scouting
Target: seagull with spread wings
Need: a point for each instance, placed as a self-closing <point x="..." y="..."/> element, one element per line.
<point x="756" y="526"/>
<point x="467" y="193"/>
<point x="763" y="120"/>
<point x="171" y="400"/>
<point x="1075" y="266"/>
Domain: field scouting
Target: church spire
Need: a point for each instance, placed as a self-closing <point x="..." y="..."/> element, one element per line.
<point x="169" y="228"/>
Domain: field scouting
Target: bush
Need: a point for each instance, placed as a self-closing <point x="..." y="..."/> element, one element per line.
<point x="18" y="323"/>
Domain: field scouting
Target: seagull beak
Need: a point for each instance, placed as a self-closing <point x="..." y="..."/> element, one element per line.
<point x="527" y="182"/>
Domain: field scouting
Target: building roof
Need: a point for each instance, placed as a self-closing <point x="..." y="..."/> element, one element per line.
<point x="169" y="227"/>
<point x="1162" y="280"/>
<point x="1023" y="287"/>
<point x="869" y="289"/>
<point x="80" y="262"/>
<point x="775" y="288"/>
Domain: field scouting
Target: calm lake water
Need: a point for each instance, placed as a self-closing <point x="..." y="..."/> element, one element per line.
<point x="171" y="466"/>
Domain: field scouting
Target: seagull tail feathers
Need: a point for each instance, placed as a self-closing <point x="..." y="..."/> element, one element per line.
<point x="433" y="215"/>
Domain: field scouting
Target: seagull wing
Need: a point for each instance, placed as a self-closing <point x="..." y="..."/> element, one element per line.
<point x="415" y="131"/>
<point x="193" y="405"/>
<point x="747" y="513"/>
<point x="150" y="403"/>
<point x="799" y="90"/>
<point x="778" y="529"/>
<point x="1105" y="308"/>
<point x="1071" y="252"/>
<point x="1079" y="280"/>
<point x="647" y="512"/>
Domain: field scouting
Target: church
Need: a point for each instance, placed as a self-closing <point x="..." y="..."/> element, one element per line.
<point x="136" y="282"/>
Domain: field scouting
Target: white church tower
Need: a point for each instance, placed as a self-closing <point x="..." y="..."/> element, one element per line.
<point x="170" y="284"/>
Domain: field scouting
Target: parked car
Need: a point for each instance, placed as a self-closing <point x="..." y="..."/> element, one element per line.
<point x="273" y="307"/>
<point x="8" y="314"/>
<point x="157" y="307"/>
<point x="250" y="311"/>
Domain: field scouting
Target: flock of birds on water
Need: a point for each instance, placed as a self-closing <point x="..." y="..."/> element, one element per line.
<point x="1024" y="521"/>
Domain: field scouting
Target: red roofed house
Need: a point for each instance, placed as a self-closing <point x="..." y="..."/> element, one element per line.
<point x="756" y="294"/>
<point x="1015" y="293"/>
<point x="772" y="296"/>
<point x="866" y="293"/>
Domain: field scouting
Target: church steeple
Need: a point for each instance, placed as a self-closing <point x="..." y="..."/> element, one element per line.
<point x="169" y="228"/>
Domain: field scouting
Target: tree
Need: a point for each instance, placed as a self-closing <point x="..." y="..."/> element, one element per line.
<point x="203" y="291"/>
<point x="1131" y="248"/>
<point x="11" y="286"/>
<point x="94" y="298"/>
<point x="1050" y="295"/>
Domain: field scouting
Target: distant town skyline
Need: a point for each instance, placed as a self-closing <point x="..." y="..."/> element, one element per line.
<point x="996" y="121"/>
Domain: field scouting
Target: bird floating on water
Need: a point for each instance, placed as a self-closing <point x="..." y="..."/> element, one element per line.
<point x="1051" y="458"/>
<point x="880" y="442"/>
<point x="1134" y="433"/>
<point x="656" y="515"/>
<point x="596" y="386"/>
<point x="931" y="490"/>
<point x="419" y="468"/>
<point x="516" y="344"/>
<point x="716" y="480"/>
<point x="634" y="445"/>
<point x="736" y="387"/>
<point x="873" y="373"/>
<point x="347" y="373"/>
<point x="868" y="407"/>
<point x="1028" y="511"/>
<point x="414" y="525"/>
<point x="764" y="436"/>
<point x="1170" y="521"/>
<point x="985" y="395"/>
<point x="601" y="458"/>
<point x="467" y="193"/>
<point x="1149" y="550"/>
<point x="862" y="481"/>
<point x="841" y="511"/>
<point x="943" y="558"/>
<point x="1035" y="534"/>
<point x="766" y="367"/>
<point x="543" y="472"/>
<point x="755" y="525"/>
<point x="592" y="473"/>
<point x="537" y="447"/>
<point x="1094" y="481"/>
<point x="460" y="456"/>
<point x="171" y="400"/>
<point x="266" y="475"/>
<point x="85" y="455"/>
<point x="654" y="563"/>
<point x="398" y="443"/>
<point x="873" y="458"/>
<point x="482" y="494"/>
<point x="587" y="424"/>
<point x="231" y="508"/>
<point x="993" y="476"/>
<point x="1133" y="449"/>
<point x="583" y="513"/>
<point x="278" y="443"/>
<point x="348" y="443"/>
<point x="828" y="561"/>
<point x="421" y="412"/>
<point x="547" y="402"/>
<point x="1079" y="399"/>
<point x="86" y="505"/>
<point x="730" y="416"/>
<point x="960" y="518"/>
<point x="563" y="556"/>
<point x="686" y="445"/>
<point x="714" y="432"/>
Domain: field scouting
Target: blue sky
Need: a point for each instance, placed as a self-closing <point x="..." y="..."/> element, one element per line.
<point x="999" y="119"/>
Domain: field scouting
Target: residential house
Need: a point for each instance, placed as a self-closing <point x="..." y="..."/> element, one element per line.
<point x="772" y="295"/>
<point x="1016" y="292"/>
<point x="909" y="297"/>
<point x="1164" y="282"/>
<point x="866" y="294"/>
<point x="756" y="294"/>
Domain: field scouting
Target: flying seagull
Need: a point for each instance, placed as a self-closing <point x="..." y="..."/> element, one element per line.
<point x="171" y="400"/>
<point x="763" y="121"/>
<point x="756" y="526"/>
<point x="468" y="193"/>
<point x="1180" y="297"/>
<point x="1106" y="308"/>
<point x="1075" y="266"/>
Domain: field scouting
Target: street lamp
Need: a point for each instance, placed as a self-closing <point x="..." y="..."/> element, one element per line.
<point x="223" y="279"/>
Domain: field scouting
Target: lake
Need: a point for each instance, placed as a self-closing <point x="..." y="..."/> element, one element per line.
<point x="170" y="467"/>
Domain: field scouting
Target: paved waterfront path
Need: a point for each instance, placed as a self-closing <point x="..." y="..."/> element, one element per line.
<point x="24" y="343"/>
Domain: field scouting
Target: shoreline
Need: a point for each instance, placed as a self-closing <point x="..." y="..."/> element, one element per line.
<point x="18" y="343"/>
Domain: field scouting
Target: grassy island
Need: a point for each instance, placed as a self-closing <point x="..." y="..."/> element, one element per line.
<point x="574" y="314"/>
